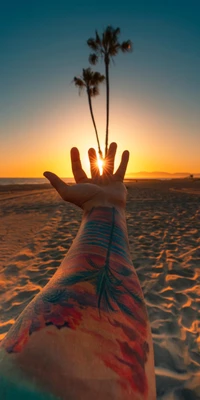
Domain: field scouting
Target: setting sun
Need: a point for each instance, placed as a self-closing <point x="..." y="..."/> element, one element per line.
<point x="100" y="164"/>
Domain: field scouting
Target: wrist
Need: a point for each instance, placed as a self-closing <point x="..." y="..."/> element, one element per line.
<point x="103" y="204"/>
<point x="97" y="226"/>
<point x="101" y="226"/>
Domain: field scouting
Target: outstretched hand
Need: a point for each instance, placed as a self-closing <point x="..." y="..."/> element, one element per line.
<point x="99" y="190"/>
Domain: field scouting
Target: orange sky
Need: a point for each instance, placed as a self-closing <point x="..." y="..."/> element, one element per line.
<point x="42" y="141"/>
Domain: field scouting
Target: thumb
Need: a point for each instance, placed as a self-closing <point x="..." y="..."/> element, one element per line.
<point x="61" y="187"/>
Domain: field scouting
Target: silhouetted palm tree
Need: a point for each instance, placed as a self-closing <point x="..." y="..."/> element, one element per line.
<point x="107" y="46"/>
<point x="90" y="81"/>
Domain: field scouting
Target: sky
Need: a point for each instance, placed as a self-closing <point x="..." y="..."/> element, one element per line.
<point x="154" y="91"/>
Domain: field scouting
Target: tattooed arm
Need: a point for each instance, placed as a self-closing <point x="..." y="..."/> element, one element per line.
<point x="87" y="334"/>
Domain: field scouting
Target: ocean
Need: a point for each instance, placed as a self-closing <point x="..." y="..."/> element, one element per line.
<point x="36" y="181"/>
<point x="29" y="181"/>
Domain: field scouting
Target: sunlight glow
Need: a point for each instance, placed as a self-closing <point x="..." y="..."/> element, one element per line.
<point x="100" y="164"/>
<point x="140" y="136"/>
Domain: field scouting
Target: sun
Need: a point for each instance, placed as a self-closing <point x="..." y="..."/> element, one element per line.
<point x="100" y="164"/>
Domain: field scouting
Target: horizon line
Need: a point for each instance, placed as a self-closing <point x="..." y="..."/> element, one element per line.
<point x="129" y="174"/>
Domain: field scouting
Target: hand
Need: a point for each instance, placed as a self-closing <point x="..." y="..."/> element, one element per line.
<point x="100" y="190"/>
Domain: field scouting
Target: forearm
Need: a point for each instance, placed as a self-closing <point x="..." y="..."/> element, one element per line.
<point x="96" y="297"/>
<point x="99" y="270"/>
<point x="101" y="257"/>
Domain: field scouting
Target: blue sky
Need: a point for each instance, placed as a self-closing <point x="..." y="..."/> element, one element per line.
<point x="156" y="88"/>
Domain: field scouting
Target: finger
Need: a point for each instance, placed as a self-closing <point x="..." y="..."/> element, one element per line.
<point x="110" y="159"/>
<point x="67" y="192"/>
<point x="57" y="183"/>
<point x="93" y="164"/>
<point x="120" y="173"/>
<point x="79" y="174"/>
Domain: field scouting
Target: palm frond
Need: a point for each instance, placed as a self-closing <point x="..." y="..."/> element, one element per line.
<point x="88" y="76"/>
<point x="93" y="44"/>
<point x="108" y="35"/>
<point x="114" y="49"/>
<point x="104" y="42"/>
<point x="127" y="46"/>
<point x="91" y="79"/>
<point x="94" y="91"/>
<point x="93" y="59"/>
<point x="98" y="40"/>
<point x="98" y="77"/>
<point x="79" y="83"/>
<point x="111" y="36"/>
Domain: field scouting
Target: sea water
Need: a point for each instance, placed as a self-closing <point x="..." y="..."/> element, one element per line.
<point x="29" y="181"/>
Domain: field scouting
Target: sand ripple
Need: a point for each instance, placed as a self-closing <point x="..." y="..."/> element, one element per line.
<point x="164" y="231"/>
<point x="165" y="247"/>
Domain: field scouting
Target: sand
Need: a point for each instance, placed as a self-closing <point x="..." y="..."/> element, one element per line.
<point x="163" y="217"/>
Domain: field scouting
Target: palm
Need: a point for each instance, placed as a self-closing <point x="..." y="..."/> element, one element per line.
<point x="107" y="46"/>
<point x="107" y="188"/>
<point x="90" y="81"/>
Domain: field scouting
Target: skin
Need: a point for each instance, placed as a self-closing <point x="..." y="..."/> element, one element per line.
<point x="87" y="333"/>
<point x="101" y="190"/>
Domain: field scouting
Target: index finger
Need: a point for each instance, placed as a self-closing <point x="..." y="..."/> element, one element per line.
<point x="79" y="173"/>
<point x="120" y="173"/>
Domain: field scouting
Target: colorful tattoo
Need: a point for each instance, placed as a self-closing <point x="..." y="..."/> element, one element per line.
<point x="96" y="281"/>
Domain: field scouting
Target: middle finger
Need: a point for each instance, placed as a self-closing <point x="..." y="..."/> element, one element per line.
<point x="110" y="159"/>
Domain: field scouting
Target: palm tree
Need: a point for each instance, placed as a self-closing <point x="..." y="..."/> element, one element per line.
<point x="90" y="81"/>
<point x="107" y="46"/>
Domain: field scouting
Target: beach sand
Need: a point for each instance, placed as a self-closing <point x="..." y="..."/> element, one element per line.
<point x="163" y="217"/>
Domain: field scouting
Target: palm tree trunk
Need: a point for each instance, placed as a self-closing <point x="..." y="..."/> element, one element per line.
<point x="93" y="120"/>
<point x="107" y="102"/>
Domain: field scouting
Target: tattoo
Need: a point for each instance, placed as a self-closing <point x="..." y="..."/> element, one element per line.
<point x="97" y="279"/>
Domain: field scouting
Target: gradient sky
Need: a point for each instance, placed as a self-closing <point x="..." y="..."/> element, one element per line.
<point x="155" y="91"/>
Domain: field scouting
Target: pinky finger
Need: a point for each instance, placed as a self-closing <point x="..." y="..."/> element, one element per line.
<point x="120" y="173"/>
